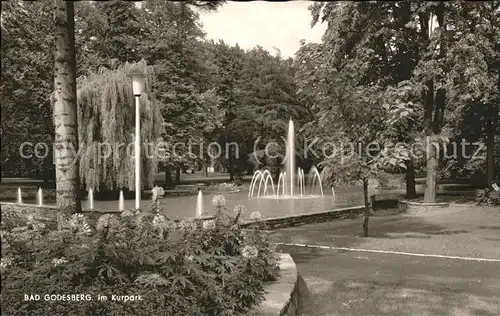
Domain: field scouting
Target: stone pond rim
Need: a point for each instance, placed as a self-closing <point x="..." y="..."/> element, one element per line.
<point x="415" y="206"/>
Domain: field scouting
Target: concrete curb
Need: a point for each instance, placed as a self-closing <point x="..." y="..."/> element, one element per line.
<point x="282" y="297"/>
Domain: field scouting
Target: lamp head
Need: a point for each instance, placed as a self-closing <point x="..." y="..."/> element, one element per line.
<point x="138" y="83"/>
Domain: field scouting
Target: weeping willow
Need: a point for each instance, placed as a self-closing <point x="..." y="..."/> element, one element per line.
<point x="106" y="128"/>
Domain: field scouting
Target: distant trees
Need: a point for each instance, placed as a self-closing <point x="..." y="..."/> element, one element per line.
<point x="257" y="95"/>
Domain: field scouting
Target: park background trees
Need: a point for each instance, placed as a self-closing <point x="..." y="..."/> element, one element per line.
<point x="212" y="91"/>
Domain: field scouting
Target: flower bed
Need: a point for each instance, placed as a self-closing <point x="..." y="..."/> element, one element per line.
<point x="143" y="263"/>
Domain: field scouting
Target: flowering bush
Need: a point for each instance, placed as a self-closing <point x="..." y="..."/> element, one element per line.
<point x="219" y="201"/>
<point x="255" y="216"/>
<point x="157" y="193"/>
<point x="181" y="268"/>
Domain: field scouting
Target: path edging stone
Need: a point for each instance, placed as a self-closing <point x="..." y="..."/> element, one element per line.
<point x="282" y="296"/>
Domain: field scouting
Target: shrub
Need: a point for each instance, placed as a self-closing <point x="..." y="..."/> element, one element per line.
<point x="177" y="268"/>
<point x="222" y="187"/>
<point x="488" y="197"/>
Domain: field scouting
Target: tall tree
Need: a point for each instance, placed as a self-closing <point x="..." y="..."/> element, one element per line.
<point x="65" y="111"/>
<point x="175" y="50"/>
<point x="387" y="29"/>
<point x="347" y="113"/>
<point x="474" y="80"/>
<point x="26" y="83"/>
<point x="106" y="111"/>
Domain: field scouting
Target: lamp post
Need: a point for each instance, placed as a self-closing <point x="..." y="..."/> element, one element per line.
<point x="138" y="86"/>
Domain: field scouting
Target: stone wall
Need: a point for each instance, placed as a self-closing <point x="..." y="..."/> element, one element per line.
<point x="282" y="296"/>
<point x="48" y="213"/>
<point x="307" y="218"/>
<point x="23" y="211"/>
<point x="44" y="213"/>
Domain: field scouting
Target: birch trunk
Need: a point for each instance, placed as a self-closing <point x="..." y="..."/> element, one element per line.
<point x="65" y="112"/>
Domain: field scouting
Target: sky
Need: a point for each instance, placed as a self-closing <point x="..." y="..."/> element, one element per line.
<point x="269" y="24"/>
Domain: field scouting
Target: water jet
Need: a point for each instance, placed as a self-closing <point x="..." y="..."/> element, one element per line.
<point x="19" y="196"/>
<point x="291" y="182"/>
<point x="121" y="202"/>
<point x="40" y="197"/>
<point x="199" y="204"/>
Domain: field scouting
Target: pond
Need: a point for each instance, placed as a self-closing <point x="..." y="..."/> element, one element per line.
<point x="185" y="206"/>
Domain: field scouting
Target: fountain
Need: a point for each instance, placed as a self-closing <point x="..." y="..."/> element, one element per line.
<point x="291" y="182"/>
<point x="40" y="196"/>
<point x="121" y="202"/>
<point x="199" y="204"/>
<point x="264" y="177"/>
<point x="19" y="196"/>
<point x="91" y="199"/>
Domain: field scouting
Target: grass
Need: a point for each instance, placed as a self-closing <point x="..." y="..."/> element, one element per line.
<point x="365" y="284"/>
<point x="352" y="297"/>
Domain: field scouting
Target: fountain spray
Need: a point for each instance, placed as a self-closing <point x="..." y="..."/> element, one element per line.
<point x="91" y="199"/>
<point x="40" y="196"/>
<point x="121" y="202"/>
<point x="199" y="204"/>
<point x="19" y="196"/>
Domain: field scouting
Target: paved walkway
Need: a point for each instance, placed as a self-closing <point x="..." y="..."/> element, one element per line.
<point x="432" y="265"/>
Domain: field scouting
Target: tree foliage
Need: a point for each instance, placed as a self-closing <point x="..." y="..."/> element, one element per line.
<point x="27" y="81"/>
<point x="106" y="128"/>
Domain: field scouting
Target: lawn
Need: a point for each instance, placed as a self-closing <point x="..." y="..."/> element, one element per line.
<point x="351" y="297"/>
<point x="391" y="282"/>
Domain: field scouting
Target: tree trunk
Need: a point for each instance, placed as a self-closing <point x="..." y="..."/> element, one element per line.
<point x="230" y="168"/>
<point x="367" y="207"/>
<point x="178" y="175"/>
<point x="490" y="148"/>
<point x="411" y="192"/>
<point x="431" y="166"/>
<point x="169" y="183"/>
<point x="65" y="112"/>
<point x="434" y="126"/>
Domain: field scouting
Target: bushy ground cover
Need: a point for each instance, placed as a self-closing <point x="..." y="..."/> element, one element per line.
<point x="199" y="267"/>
